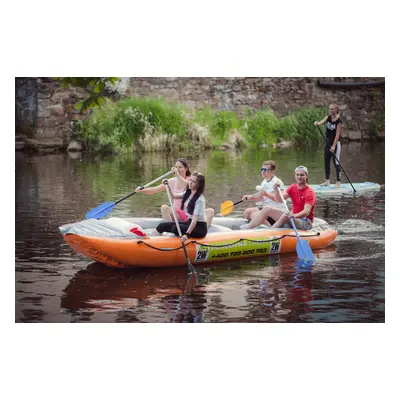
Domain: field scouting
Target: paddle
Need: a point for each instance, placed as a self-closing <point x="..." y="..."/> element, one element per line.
<point x="227" y="206"/>
<point x="103" y="209"/>
<point x="190" y="266"/>
<point x="303" y="248"/>
<point x="340" y="165"/>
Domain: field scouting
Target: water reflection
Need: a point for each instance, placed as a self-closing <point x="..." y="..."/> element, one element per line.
<point x="274" y="290"/>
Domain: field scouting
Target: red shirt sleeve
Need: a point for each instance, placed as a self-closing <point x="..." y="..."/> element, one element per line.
<point x="289" y="190"/>
<point x="310" y="197"/>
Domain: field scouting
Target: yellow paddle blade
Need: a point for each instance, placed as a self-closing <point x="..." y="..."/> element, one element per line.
<point x="226" y="207"/>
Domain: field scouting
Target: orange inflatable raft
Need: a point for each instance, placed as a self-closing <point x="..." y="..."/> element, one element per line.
<point x="111" y="242"/>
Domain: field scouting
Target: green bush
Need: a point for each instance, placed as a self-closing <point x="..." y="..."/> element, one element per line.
<point x="261" y="127"/>
<point x="377" y="126"/>
<point x="167" y="118"/>
<point x="299" y="125"/>
<point x="122" y="126"/>
<point x="145" y="124"/>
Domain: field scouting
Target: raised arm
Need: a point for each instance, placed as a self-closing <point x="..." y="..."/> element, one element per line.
<point x="150" y="190"/>
<point x="318" y="123"/>
<point x="183" y="180"/>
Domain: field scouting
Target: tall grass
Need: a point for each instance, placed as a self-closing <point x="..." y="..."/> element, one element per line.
<point x="146" y="124"/>
<point x="134" y="124"/>
<point x="299" y="125"/>
<point x="220" y="124"/>
<point x="261" y="128"/>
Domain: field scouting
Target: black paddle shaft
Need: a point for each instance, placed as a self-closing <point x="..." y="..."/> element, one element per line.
<point x="336" y="158"/>
<point x="238" y="202"/>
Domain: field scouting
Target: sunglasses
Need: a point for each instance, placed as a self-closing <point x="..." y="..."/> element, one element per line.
<point x="265" y="169"/>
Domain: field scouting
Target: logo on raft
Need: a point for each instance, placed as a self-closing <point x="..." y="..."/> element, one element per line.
<point x="240" y="249"/>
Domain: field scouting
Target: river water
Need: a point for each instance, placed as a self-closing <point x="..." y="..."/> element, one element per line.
<point x="54" y="284"/>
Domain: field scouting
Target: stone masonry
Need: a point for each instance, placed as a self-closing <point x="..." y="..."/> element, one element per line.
<point x="44" y="110"/>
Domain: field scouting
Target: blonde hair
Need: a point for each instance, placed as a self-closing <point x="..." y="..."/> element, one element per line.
<point x="271" y="163"/>
<point x="336" y="107"/>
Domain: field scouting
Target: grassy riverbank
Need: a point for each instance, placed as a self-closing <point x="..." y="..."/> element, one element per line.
<point x="146" y="125"/>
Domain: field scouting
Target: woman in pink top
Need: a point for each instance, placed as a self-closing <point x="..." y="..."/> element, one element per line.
<point x="178" y="185"/>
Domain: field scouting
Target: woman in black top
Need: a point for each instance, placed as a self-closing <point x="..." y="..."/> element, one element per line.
<point x="332" y="143"/>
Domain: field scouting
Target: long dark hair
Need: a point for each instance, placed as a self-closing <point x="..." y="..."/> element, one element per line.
<point x="185" y="163"/>
<point x="201" y="185"/>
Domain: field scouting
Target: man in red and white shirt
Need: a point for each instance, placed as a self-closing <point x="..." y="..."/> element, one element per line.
<point x="303" y="201"/>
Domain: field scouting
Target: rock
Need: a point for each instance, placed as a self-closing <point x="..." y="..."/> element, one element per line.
<point x="57" y="111"/>
<point x="354" y="135"/>
<point x="75" y="154"/>
<point x="45" y="144"/>
<point x="226" y="146"/>
<point x="282" y="145"/>
<point x="75" y="146"/>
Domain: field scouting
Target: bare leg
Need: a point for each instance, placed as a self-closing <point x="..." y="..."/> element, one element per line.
<point x="209" y="215"/>
<point x="281" y="221"/>
<point x="249" y="212"/>
<point x="166" y="213"/>
<point x="261" y="217"/>
<point x="284" y="219"/>
<point x="258" y="218"/>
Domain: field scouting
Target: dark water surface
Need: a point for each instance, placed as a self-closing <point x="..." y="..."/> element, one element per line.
<point x="54" y="284"/>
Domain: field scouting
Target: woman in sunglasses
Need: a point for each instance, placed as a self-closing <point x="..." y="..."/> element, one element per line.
<point x="194" y="205"/>
<point x="266" y="194"/>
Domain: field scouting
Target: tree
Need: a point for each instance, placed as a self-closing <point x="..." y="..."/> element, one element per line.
<point x="95" y="87"/>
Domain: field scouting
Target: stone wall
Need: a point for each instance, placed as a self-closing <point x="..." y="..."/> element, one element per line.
<point x="26" y="105"/>
<point x="47" y="109"/>
<point x="359" y="106"/>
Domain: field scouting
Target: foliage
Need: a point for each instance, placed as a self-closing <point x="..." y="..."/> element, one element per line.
<point x="219" y="123"/>
<point x="261" y="127"/>
<point x="95" y="87"/>
<point x="168" y="118"/>
<point x="377" y="126"/>
<point x="148" y="124"/>
<point x="299" y="125"/>
<point x="134" y="125"/>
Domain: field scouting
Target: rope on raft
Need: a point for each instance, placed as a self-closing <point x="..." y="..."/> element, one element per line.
<point x="223" y="245"/>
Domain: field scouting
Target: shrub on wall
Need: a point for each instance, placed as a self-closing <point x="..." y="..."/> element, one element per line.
<point x="299" y="127"/>
<point x="133" y="124"/>
<point x="144" y="124"/>
<point x="261" y="127"/>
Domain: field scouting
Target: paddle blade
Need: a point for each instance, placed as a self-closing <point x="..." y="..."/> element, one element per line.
<point x="303" y="265"/>
<point x="226" y="207"/>
<point x="304" y="251"/>
<point x="100" y="211"/>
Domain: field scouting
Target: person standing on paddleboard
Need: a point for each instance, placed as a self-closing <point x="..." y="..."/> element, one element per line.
<point x="303" y="201"/>
<point x="332" y="143"/>
<point x="266" y="194"/>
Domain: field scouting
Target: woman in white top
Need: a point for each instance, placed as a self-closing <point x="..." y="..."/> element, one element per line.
<point x="266" y="195"/>
<point x="194" y="205"/>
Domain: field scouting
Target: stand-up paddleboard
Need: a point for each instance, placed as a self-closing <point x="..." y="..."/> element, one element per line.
<point x="345" y="188"/>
